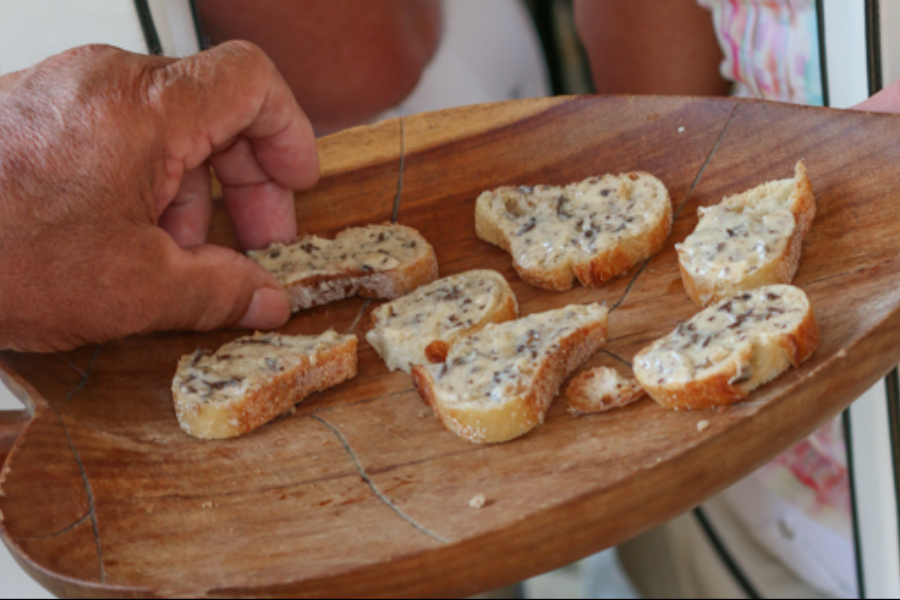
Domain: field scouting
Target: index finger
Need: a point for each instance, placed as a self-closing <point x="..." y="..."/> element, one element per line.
<point x="231" y="105"/>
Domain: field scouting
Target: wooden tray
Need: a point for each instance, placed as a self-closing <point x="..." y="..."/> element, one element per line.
<point x="362" y="492"/>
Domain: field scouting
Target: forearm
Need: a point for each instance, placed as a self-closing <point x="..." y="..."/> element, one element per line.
<point x="651" y="47"/>
<point x="345" y="60"/>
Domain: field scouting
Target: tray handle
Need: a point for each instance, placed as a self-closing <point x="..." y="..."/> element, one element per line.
<point x="12" y="424"/>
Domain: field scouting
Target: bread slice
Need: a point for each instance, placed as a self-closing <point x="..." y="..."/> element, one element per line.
<point x="600" y="390"/>
<point x="420" y="327"/>
<point x="497" y="384"/>
<point x="379" y="261"/>
<point x="592" y="230"/>
<point x="252" y="380"/>
<point x="728" y="350"/>
<point x="749" y="240"/>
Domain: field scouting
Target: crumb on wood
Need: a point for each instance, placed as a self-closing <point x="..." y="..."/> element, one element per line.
<point x="291" y="411"/>
<point x="702" y="426"/>
<point x="422" y="415"/>
<point x="681" y="130"/>
<point x="207" y="505"/>
<point x="478" y="501"/>
<point x="316" y="457"/>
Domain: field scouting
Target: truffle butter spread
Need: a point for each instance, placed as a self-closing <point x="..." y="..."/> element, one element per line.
<point x="437" y="311"/>
<point x="247" y="363"/>
<point x="731" y="328"/>
<point x="732" y="242"/>
<point x="361" y="250"/>
<point x="502" y="360"/>
<point x="549" y="226"/>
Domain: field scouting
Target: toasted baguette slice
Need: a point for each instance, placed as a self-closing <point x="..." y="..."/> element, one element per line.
<point x="728" y="350"/>
<point x="498" y="383"/>
<point x="600" y="390"/>
<point x="420" y="327"/>
<point x="250" y="381"/>
<point x="592" y="230"/>
<point x="749" y="240"/>
<point x="379" y="261"/>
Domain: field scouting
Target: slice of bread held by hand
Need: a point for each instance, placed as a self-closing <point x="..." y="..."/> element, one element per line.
<point x="601" y="389"/>
<point x="593" y="230"/>
<point x="730" y="349"/>
<point x="420" y="327"/>
<point x="252" y="380"/>
<point x="497" y="384"/>
<point x="379" y="261"/>
<point x="749" y="240"/>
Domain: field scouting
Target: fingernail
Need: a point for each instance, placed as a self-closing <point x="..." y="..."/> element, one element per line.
<point x="269" y="309"/>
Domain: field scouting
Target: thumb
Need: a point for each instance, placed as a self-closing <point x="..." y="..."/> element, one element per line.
<point x="210" y="287"/>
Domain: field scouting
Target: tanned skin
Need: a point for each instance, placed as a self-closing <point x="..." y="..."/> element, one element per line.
<point x="345" y="60"/>
<point x="651" y="47"/>
<point x="105" y="201"/>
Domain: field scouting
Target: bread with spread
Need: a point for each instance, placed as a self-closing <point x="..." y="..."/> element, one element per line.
<point x="748" y="240"/>
<point x="249" y="382"/>
<point x="379" y="261"/>
<point x="592" y="231"/>
<point x="498" y="383"/>
<point x="729" y="349"/>
<point x="601" y="389"/>
<point x="420" y="327"/>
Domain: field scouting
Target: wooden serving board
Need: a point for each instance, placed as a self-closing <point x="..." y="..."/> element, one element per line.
<point x="362" y="492"/>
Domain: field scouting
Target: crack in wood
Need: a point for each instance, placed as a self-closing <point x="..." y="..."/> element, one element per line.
<point x="70" y="364"/>
<point x="50" y="536"/>
<point x="396" y="212"/>
<point x="428" y="459"/>
<point x="92" y="513"/>
<point x="712" y="152"/>
<point x="681" y="206"/>
<point x="617" y="357"/>
<point x="630" y="285"/>
<point x="359" y="315"/>
<point x="85" y="375"/>
<point x="328" y="409"/>
<point x="365" y="477"/>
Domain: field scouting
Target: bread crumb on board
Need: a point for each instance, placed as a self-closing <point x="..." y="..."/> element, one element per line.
<point x="702" y="426"/>
<point x="601" y="389"/>
<point x="478" y="501"/>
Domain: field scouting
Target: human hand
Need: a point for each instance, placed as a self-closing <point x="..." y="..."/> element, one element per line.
<point x="105" y="202"/>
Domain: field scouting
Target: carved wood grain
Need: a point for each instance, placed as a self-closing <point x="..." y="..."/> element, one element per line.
<point x="362" y="492"/>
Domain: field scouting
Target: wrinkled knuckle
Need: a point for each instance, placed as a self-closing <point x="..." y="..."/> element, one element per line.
<point x="248" y="55"/>
<point x="89" y="51"/>
<point x="152" y="86"/>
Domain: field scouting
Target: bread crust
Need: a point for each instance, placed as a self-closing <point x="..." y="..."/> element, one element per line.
<point x="593" y="272"/>
<point x="584" y="401"/>
<point x="517" y="416"/>
<point x="506" y="309"/>
<point x="387" y="284"/>
<point x="802" y="204"/>
<point x="767" y="360"/>
<point x="216" y="421"/>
